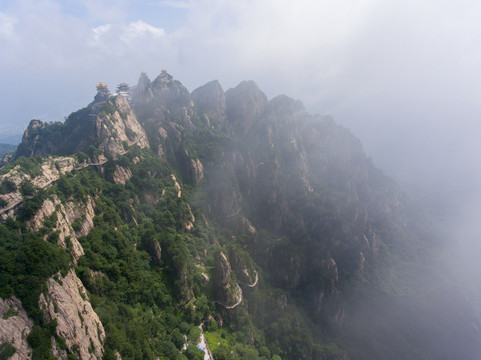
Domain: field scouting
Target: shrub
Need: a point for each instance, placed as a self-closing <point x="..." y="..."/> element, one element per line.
<point x="7" y="186"/>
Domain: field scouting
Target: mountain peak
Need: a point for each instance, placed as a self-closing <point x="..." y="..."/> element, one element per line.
<point x="245" y="105"/>
<point x="164" y="79"/>
<point x="211" y="208"/>
<point x="286" y="103"/>
<point x="210" y="102"/>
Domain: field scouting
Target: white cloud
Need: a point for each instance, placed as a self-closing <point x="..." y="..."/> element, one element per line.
<point x="139" y="29"/>
<point x="99" y="32"/>
<point x="105" y="35"/>
<point x="122" y="43"/>
<point x="378" y="67"/>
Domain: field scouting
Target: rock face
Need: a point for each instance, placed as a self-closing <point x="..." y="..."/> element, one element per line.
<point x="109" y="121"/>
<point x="67" y="302"/>
<point x="166" y="110"/>
<point x="66" y="215"/>
<point x="121" y="175"/>
<point x="171" y="95"/>
<point x="143" y="91"/>
<point x="119" y="128"/>
<point x="176" y="185"/>
<point x="210" y="102"/>
<point x="223" y="269"/>
<point x="51" y="170"/>
<point x="302" y="177"/>
<point x="245" y="106"/>
<point x="32" y="135"/>
<point x="189" y="223"/>
<point x="197" y="170"/>
<point x="15" y="325"/>
<point x="229" y="293"/>
<point x="297" y="193"/>
<point x="163" y="103"/>
<point x="193" y="168"/>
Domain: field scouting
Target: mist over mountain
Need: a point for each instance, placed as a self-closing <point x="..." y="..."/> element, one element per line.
<point x="155" y="219"/>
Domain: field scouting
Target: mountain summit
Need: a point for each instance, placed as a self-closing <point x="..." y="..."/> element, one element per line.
<point x="154" y="220"/>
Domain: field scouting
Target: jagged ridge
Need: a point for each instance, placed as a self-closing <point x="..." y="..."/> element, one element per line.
<point x="236" y="208"/>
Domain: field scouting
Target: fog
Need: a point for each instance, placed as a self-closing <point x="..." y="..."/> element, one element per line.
<point x="403" y="76"/>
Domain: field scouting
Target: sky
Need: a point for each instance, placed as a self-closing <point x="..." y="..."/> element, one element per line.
<point x="403" y="76"/>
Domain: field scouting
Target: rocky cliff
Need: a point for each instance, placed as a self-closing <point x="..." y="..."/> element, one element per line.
<point x="158" y="211"/>
<point x="211" y="105"/>
<point x="67" y="216"/>
<point x="37" y="175"/>
<point x="118" y="128"/>
<point x="299" y="175"/>
<point x="67" y="303"/>
<point x="15" y="325"/>
<point x="107" y="122"/>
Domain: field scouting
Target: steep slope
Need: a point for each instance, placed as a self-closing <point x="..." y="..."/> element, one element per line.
<point x="107" y="124"/>
<point x="66" y="303"/>
<point x="343" y="231"/>
<point x="305" y="178"/>
<point x="138" y="220"/>
<point x="15" y="325"/>
<point x="166" y="110"/>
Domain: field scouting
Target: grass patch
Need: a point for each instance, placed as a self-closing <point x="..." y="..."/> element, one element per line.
<point x="214" y="339"/>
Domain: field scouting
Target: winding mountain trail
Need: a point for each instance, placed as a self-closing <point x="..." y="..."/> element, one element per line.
<point x="253" y="284"/>
<point x="238" y="302"/>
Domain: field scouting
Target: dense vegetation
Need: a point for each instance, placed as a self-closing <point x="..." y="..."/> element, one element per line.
<point x="146" y="304"/>
<point x="308" y="234"/>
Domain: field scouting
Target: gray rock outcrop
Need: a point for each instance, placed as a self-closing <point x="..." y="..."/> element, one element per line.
<point x="223" y="269"/>
<point x="245" y="106"/>
<point x="121" y="175"/>
<point x="15" y="325"/>
<point x="51" y="170"/>
<point x="119" y="129"/>
<point x="210" y="102"/>
<point x="67" y="302"/>
<point x="229" y="293"/>
<point x="66" y="215"/>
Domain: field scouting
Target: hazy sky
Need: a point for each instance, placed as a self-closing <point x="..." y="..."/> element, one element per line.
<point x="404" y="76"/>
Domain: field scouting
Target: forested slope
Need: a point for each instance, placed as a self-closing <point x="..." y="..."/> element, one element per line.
<point x="147" y="215"/>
